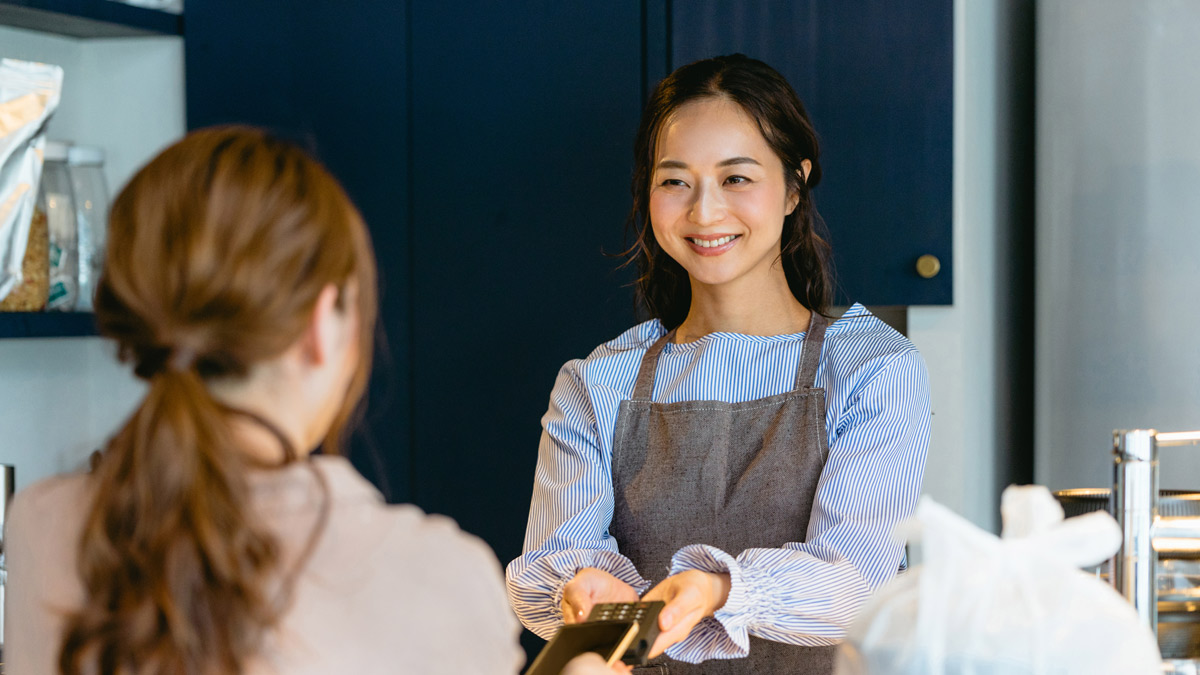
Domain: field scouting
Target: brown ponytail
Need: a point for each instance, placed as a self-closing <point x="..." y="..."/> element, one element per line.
<point x="217" y="252"/>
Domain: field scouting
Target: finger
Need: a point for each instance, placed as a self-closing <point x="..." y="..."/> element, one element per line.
<point x="577" y="604"/>
<point x="677" y="632"/>
<point x="588" y="662"/>
<point x="573" y="613"/>
<point x="681" y="602"/>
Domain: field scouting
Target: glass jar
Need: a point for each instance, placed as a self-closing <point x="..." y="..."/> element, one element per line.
<point x="55" y="200"/>
<point x="86" y="167"/>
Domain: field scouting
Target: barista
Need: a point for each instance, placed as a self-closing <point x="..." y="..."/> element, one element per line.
<point x="739" y="455"/>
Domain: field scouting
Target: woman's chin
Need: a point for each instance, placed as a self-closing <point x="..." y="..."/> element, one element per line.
<point x="713" y="278"/>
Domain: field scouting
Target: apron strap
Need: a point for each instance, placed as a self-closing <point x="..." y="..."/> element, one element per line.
<point x="644" y="387"/>
<point x="810" y="351"/>
<point x="806" y="374"/>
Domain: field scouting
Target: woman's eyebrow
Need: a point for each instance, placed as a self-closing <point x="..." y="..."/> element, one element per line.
<point x="739" y="160"/>
<point x="676" y="164"/>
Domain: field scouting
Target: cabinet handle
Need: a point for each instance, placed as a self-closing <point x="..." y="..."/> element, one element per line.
<point x="928" y="266"/>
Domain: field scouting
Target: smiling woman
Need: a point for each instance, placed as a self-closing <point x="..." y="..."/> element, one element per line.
<point x="737" y="456"/>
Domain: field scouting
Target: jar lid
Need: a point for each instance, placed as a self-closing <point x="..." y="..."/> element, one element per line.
<point x="85" y="154"/>
<point x="56" y="151"/>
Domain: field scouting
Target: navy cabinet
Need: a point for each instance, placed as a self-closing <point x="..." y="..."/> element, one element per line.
<point x="877" y="79"/>
<point x="335" y="81"/>
<point x="523" y="119"/>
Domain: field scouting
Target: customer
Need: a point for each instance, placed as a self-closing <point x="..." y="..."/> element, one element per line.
<point x="240" y="284"/>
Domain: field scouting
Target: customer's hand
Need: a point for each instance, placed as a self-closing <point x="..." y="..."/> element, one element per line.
<point x="690" y="596"/>
<point x="589" y="587"/>
<point x="591" y="664"/>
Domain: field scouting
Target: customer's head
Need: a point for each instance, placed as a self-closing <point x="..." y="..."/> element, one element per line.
<point x="766" y="99"/>
<point x="236" y="268"/>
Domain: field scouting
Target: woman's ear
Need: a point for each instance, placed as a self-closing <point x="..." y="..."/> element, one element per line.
<point x="321" y="337"/>
<point x="794" y="197"/>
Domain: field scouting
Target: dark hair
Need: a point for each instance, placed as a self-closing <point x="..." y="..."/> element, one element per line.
<point x="179" y="575"/>
<point x="664" y="290"/>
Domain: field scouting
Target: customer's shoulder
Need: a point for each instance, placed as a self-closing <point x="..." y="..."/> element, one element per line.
<point x="51" y="498"/>
<point x="359" y="507"/>
<point x="49" y="514"/>
<point x="432" y="548"/>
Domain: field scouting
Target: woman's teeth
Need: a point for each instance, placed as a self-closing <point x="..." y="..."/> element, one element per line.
<point x="713" y="243"/>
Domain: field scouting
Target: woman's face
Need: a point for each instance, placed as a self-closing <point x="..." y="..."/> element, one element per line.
<point x="717" y="193"/>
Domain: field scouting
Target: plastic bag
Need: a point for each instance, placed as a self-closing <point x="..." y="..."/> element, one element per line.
<point x="983" y="605"/>
<point x="29" y="93"/>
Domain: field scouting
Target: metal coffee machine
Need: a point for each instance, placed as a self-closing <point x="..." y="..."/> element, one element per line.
<point x="1168" y="604"/>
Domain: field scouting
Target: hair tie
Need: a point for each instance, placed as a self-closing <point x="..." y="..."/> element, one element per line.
<point x="182" y="359"/>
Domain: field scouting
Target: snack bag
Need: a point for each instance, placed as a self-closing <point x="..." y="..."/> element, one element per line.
<point x="29" y="93"/>
<point x="986" y="605"/>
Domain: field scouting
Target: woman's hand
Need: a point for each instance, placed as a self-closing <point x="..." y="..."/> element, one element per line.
<point x="591" y="664"/>
<point x="690" y="596"/>
<point x="589" y="587"/>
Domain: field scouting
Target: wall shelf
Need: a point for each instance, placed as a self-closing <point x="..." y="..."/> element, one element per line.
<point x="47" y="324"/>
<point x="88" y="18"/>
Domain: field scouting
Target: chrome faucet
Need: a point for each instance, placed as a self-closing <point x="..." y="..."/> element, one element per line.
<point x="1145" y="533"/>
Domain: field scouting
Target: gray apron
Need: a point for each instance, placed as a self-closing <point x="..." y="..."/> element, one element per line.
<point x="731" y="475"/>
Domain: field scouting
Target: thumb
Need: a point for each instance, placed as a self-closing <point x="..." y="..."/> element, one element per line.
<point x="576" y="604"/>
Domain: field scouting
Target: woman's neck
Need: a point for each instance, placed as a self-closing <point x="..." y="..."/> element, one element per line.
<point x="277" y="406"/>
<point x="763" y="306"/>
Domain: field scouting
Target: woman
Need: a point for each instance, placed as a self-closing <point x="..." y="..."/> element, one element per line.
<point x="241" y="284"/>
<point x="737" y="456"/>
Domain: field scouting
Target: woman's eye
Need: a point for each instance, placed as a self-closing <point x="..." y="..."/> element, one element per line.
<point x="673" y="182"/>
<point x="737" y="180"/>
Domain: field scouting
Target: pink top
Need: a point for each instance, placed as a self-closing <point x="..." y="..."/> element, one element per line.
<point x="388" y="589"/>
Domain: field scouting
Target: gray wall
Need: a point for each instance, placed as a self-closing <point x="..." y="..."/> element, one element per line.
<point x="1118" y="243"/>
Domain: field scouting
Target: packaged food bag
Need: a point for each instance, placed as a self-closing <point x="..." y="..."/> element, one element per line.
<point x="29" y="94"/>
<point x="986" y="605"/>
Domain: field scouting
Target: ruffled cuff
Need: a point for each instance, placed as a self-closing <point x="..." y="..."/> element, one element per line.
<point x="614" y="563"/>
<point x="535" y="583"/>
<point x="725" y="635"/>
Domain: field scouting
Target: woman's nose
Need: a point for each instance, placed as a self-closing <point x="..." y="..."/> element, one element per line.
<point x="708" y="207"/>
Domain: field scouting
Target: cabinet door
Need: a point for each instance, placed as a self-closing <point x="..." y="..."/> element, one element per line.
<point x="877" y="78"/>
<point x="334" y="79"/>
<point x="523" y="117"/>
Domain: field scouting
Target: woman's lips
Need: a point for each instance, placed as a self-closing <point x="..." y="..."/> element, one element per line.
<point x="713" y="245"/>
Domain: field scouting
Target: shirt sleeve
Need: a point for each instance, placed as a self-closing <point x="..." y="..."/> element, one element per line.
<point x="570" y="512"/>
<point x="807" y="593"/>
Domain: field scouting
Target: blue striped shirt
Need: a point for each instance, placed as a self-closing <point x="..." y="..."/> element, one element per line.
<point x="803" y="593"/>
